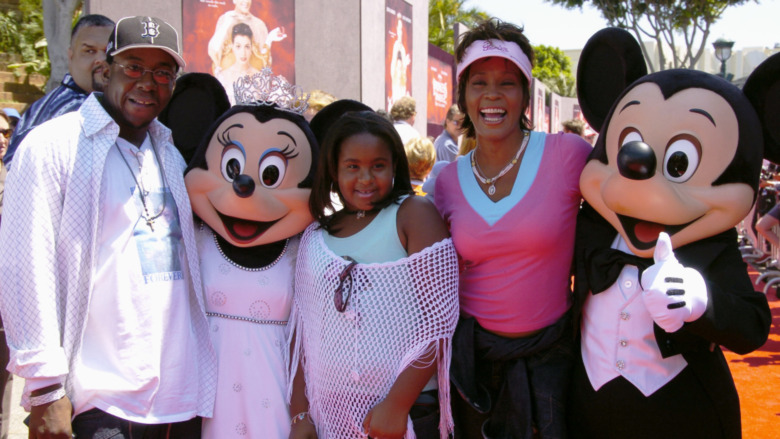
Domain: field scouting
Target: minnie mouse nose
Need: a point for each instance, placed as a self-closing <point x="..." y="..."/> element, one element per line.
<point x="244" y="186"/>
<point x="636" y="161"/>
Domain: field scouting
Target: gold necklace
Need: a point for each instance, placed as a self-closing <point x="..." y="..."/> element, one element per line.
<point x="492" y="181"/>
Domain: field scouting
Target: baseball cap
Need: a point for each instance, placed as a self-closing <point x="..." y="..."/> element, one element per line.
<point x="11" y="112"/>
<point x="142" y="32"/>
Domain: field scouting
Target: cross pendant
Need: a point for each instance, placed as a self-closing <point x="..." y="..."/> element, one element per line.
<point x="150" y="223"/>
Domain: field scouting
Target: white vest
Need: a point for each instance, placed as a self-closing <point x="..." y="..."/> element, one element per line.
<point x="618" y="338"/>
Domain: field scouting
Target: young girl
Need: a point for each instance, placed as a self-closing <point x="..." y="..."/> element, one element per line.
<point x="376" y="298"/>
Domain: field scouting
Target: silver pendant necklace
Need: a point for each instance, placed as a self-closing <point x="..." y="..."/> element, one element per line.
<point x="492" y="181"/>
<point x="142" y="191"/>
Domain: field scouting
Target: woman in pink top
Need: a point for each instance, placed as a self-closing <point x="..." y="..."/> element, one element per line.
<point x="511" y="206"/>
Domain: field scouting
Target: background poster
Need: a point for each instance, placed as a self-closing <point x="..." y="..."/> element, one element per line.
<point x="201" y="40"/>
<point x="538" y="109"/>
<point x="439" y="84"/>
<point x="398" y="63"/>
<point x="555" y="114"/>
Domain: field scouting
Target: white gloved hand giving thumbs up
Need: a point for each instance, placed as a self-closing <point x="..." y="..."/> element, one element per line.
<point x="673" y="294"/>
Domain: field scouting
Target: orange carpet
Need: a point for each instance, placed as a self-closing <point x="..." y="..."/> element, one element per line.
<point x="757" y="376"/>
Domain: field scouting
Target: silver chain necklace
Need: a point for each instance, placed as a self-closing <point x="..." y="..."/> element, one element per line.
<point x="492" y="181"/>
<point x="142" y="191"/>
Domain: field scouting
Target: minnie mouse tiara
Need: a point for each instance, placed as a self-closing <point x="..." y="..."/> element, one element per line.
<point x="266" y="89"/>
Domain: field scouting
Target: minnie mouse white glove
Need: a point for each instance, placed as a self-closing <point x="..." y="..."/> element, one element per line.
<point x="673" y="294"/>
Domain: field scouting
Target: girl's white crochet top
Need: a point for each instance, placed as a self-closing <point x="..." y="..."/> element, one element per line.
<point x="397" y="312"/>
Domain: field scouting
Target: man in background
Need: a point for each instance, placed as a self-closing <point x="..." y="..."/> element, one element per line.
<point x="403" y="112"/>
<point x="574" y="126"/>
<point x="447" y="143"/>
<point x="86" y="54"/>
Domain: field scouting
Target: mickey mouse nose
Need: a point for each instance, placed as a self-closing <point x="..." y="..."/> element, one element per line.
<point x="244" y="186"/>
<point x="636" y="160"/>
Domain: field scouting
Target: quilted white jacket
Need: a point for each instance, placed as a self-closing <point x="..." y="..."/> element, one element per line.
<point x="51" y="219"/>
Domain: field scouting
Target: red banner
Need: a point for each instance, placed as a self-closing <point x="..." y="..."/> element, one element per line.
<point x="398" y="62"/>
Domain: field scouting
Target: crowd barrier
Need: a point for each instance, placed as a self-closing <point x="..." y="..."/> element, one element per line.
<point x="759" y="253"/>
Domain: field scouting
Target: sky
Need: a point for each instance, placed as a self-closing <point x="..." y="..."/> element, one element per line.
<point x="748" y="25"/>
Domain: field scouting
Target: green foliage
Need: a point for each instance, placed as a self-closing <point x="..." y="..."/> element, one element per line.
<point x="681" y="27"/>
<point x="553" y="68"/>
<point x="21" y="33"/>
<point x="442" y="16"/>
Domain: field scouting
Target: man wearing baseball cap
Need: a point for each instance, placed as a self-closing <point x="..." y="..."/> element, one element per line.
<point x="99" y="278"/>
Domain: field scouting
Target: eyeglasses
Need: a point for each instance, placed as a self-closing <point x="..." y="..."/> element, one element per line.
<point x="344" y="290"/>
<point x="456" y="122"/>
<point x="160" y="76"/>
<point x="7" y="132"/>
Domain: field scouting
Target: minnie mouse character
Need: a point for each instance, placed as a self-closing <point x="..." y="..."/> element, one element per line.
<point x="659" y="277"/>
<point x="249" y="183"/>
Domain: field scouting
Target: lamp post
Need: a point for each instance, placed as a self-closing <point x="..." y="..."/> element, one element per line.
<point x="722" y="53"/>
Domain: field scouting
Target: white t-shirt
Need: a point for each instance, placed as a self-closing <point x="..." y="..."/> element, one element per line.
<point x="138" y="338"/>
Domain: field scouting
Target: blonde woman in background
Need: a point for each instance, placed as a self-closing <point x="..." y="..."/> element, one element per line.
<point x="318" y="99"/>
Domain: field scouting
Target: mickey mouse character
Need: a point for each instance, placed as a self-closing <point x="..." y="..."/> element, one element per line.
<point x="249" y="183"/>
<point x="659" y="277"/>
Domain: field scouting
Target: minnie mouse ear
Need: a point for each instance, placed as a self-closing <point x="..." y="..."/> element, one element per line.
<point x="198" y="100"/>
<point x="324" y="119"/>
<point x="762" y="88"/>
<point x="611" y="60"/>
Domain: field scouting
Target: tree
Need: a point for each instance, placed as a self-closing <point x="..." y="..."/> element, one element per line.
<point x="57" y="24"/>
<point x="553" y="68"/>
<point x="679" y="28"/>
<point x="442" y="16"/>
<point x="21" y="34"/>
<point x="40" y="39"/>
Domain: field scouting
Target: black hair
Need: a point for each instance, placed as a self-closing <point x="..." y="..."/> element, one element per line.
<point x="91" y="20"/>
<point x="326" y="176"/>
<point x="493" y="29"/>
<point x="241" y="29"/>
<point x="262" y="113"/>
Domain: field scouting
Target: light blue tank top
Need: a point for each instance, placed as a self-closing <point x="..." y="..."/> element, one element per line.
<point x="377" y="242"/>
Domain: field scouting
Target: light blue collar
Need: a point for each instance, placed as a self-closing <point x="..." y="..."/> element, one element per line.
<point x="489" y="210"/>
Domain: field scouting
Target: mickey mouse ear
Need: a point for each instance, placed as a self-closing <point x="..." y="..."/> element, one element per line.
<point x="762" y="88"/>
<point x="324" y="119"/>
<point x="611" y="60"/>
